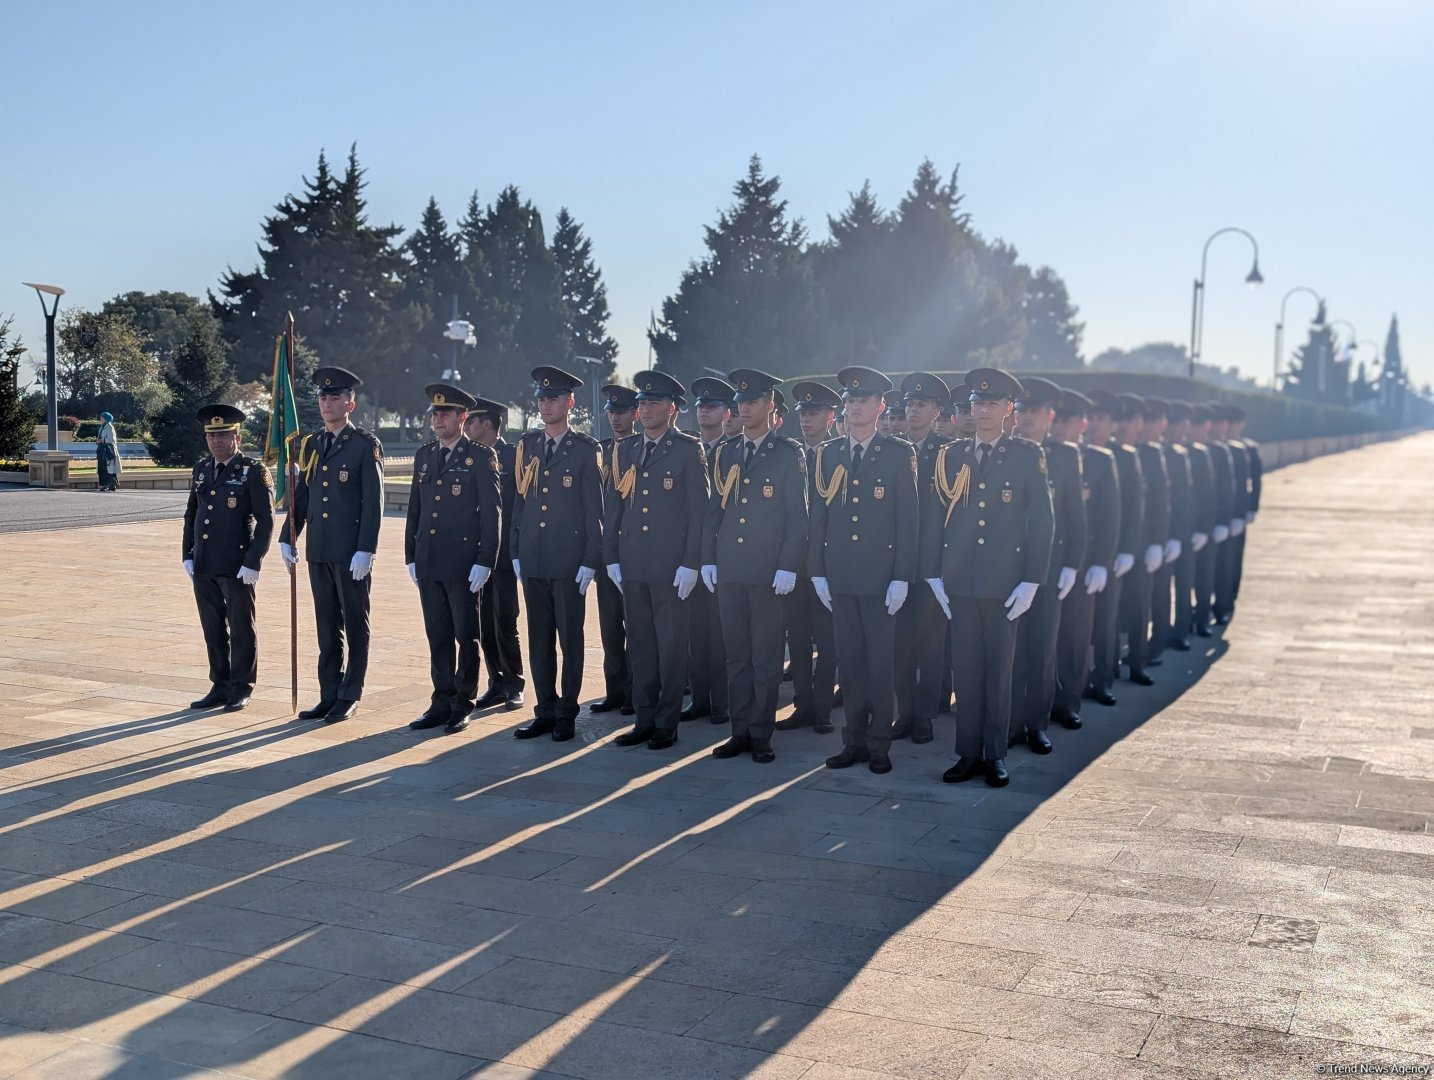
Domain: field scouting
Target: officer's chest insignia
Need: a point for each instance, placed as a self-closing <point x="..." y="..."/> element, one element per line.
<point x="878" y="492"/>
<point x="343" y="475"/>
<point x="424" y="470"/>
<point x="233" y="502"/>
<point x="458" y="489"/>
<point x="667" y="483"/>
<point x="468" y="461"/>
<point x="768" y="490"/>
<point x="1006" y="495"/>
<point x="567" y="481"/>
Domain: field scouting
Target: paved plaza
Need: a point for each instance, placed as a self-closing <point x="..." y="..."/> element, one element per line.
<point x="1228" y="874"/>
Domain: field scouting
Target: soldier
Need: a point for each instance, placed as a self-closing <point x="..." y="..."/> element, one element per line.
<point x="556" y="547"/>
<point x="1136" y="593"/>
<point x="1194" y="430"/>
<point x="450" y="543"/>
<point x="1255" y="469"/>
<point x="652" y="545"/>
<point x="620" y="404"/>
<point x="1177" y="470"/>
<point x="1107" y="413"/>
<point x="861" y="557"/>
<point x="222" y="553"/>
<point x="809" y="623"/>
<point x="1038" y="631"/>
<point x="1223" y="466"/>
<point x="706" y="651"/>
<point x="339" y="500"/>
<point x="1226" y="567"/>
<point x="964" y="427"/>
<point x="753" y="546"/>
<point x="985" y="550"/>
<point x="920" y="624"/>
<point x="498" y="600"/>
<point x="1101" y="495"/>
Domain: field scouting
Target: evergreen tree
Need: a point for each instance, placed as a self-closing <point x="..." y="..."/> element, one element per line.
<point x="1052" y="333"/>
<point x="1391" y="375"/>
<point x="1360" y="390"/>
<point x="200" y="376"/>
<point x="584" y="296"/>
<point x="1312" y="371"/>
<point x="17" y="426"/>
<point x="852" y="271"/>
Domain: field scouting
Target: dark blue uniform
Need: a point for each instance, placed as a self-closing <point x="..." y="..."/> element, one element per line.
<point x="920" y="628"/>
<point x="498" y="607"/>
<point x="1101" y="494"/>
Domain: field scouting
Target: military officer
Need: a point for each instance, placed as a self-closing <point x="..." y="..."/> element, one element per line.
<point x="753" y="547"/>
<point x="1254" y="472"/>
<point x="1223" y="465"/>
<point x="985" y="551"/>
<point x="620" y="405"/>
<point x="652" y="543"/>
<point x="1177" y="475"/>
<point x="450" y="543"/>
<point x="920" y="624"/>
<point x="556" y="543"/>
<point x="222" y="553"/>
<point x="963" y="426"/>
<point x="706" y="647"/>
<point x="1170" y="614"/>
<point x="498" y="599"/>
<point x="1107" y="413"/>
<point x="339" y="500"/>
<point x="1200" y="559"/>
<point x="809" y="623"/>
<point x="862" y="557"/>
<point x="1136" y="591"/>
<point x="1038" y="631"/>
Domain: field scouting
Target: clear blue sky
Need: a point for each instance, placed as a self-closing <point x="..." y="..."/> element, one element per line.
<point x="143" y="143"/>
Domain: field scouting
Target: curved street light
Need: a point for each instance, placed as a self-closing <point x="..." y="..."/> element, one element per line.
<point x="52" y="412"/>
<point x="1280" y="327"/>
<point x="1197" y="302"/>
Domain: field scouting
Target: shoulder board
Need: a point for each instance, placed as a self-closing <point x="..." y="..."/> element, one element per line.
<point x="584" y="437"/>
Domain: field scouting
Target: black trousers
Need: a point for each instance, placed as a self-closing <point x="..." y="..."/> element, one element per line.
<point x="1105" y="633"/>
<point x="920" y="650"/>
<point x="1033" y="679"/>
<point x="1205" y="581"/>
<point x="450" y="620"/>
<point x="657" y="650"/>
<point x="498" y="631"/>
<point x="226" y="615"/>
<point x="1238" y="569"/>
<point x="1135" y="616"/>
<point x="616" y="672"/>
<point x="1184" y="594"/>
<point x="555" y="618"/>
<point x="810" y="627"/>
<point x="341" y="608"/>
<point x="866" y="651"/>
<point x="752" y="631"/>
<point x="1073" y="647"/>
<point x="983" y="653"/>
<point x="1225" y="578"/>
<point x="706" y="652"/>
<point x="1162" y="586"/>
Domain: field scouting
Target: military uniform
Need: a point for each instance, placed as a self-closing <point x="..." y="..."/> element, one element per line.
<point x="616" y="670"/>
<point x="1221" y="553"/>
<point x="1105" y="638"/>
<point x="706" y="645"/>
<point x="1166" y="629"/>
<point x="1138" y="591"/>
<point x="498" y="601"/>
<point x="1228" y="584"/>
<point x="228" y="522"/>
<point x="1200" y="563"/>
<point x="1256" y="467"/>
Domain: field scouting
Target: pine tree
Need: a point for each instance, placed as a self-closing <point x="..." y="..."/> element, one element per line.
<point x="17" y="427"/>
<point x="1391" y="375"/>
<point x="200" y="376"/>
<point x="1052" y="333"/>
<point x="584" y="296"/>
<point x="1312" y="374"/>
<point x="852" y="271"/>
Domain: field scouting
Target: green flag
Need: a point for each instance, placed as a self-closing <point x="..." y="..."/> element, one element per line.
<point x="279" y="447"/>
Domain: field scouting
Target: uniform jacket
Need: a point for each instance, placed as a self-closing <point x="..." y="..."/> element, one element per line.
<point x="339" y="496"/>
<point x="557" y="506"/>
<point x="1102" y="506"/>
<point x="926" y="462"/>
<point x="508" y="490"/>
<point x="654" y="519"/>
<point x="864" y="536"/>
<point x="1202" y="489"/>
<point x="1240" y="465"/>
<point x="762" y="528"/>
<point x="1257" y="470"/>
<point x="1001" y="528"/>
<point x="1182" y="507"/>
<point x="1157" y="494"/>
<point x="454" y="511"/>
<point x="1063" y="464"/>
<point x="1132" y="498"/>
<point x="229" y="519"/>
<point x="1224" y="472"/>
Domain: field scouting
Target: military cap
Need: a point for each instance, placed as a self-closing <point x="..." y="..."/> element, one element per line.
<point x="617" y="397"/>
<point x="779" y="401"/>
<point x="1177" y="410"/>
<point x="553" y="382"/>
<point x="923" y="386"/>
<point x="1201" y="414"/>
<point x="1103" y="401"/>
<point x="1038" y="393"/>
<point x="960" y="399"/>
<point x="1131" y="406"/>
<point x="331" y="380"/>
<point x="751" y="384"/>
<point x="444" y="396"/>
<point x="217" y="418"/>
<point x="657" y="385"/>
<point x="815" y="396"/>
<point x="862" y="382"/>
<point x="1073" y="403"/>
<point x="1235" y="412"/>
<point x="491" y="409"/>
<point x="893" y="399"/>
<point x="710" y="391"/>
<point x="1155" y="407"/>
<point x="992" y="384"/>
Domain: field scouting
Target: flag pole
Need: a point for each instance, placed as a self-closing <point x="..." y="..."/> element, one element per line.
<point x="293" y="529"/>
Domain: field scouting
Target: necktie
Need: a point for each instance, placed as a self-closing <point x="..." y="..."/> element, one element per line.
<point x="442" y="458"/>
<point x="647" y="447"/>
<point x="856" y="457"/>
<point x="751" y="448"/>
<point x="326" y="442"/>
<point x="548" y="454"/>
<point x="982" y="453"/>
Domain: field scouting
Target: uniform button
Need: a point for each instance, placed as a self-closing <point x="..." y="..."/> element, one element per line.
<point x="855" y="537"/>
<point x="545" y="491"/>
<point x="982" y="504"/>
<point x="542" y="524"/>
<point x="547" y="472"/>
<point x="542" y="508"/>
<point x="211" y="492"/>
<point x="644" y="509"/>
<point x="982" y="486"/>
<point x="739" y="539"/>
<point x="856" y="483"/>
<point x="326" y="483"/>
<point x="325" y="468"/>
<point x="980" y="539"/>
<point x="744" y="499"/>
<point x="645" y="475"/>
<point x="438" y="498"/>
<point x="432" y="532"/>
<point x="746" y="479"/>
<point x="209" y="506"/>
<point x="644" y="528"/>
<point x="644" y="490"/>
<point x="982" y="521"/>
<point x="325" y="515"/>
<point x="856" y="498"/>
<point x="204" y="537"/>
<point x="326" y="498"/>
<point x="435" y="513"/>
<point x="206" y="521"/>
<point x="741" y="521"/>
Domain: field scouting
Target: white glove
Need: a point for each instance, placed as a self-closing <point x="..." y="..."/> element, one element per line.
<point x="1198" y="541"/>
<point x="247" y="576"/>
<point x="823" y="591"/>
<point x="585" y="577"/>
<point x="783" y="582"/>
<point x="1172" y="551"/>
<point x="939" y="588"/>
<point x="1020" y="600"/>
<point x="189" y="567"/>
<point x="361" y="564"/>
<point x="413" y="572"/>
<point x="709" y="577"/>
<point x="288" y="555"/>
<point x="614" y="573"/>
<point x="477" y="576"/>
<point x="1222" y="533"/>
<point x="1237" y="527"/>
<point x="1154" y="556"/>
<point x="517" y="569"/>
<point x="895" y="596"/>
<point x="684" y="582"/>
<point x="1065" y="582"/>
<point x="1250" y="518"/>
<point x="1096" y="579"/>
<point x="1124" y="563"/>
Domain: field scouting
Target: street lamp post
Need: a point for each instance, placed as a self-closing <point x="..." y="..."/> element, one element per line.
<point x="460" y="332"/>
<point x="595" y="378"/>
<point x="51" y="400"/>
<point x="1280" y="328"/>
<point x="1353" y="337"/>
<point x="1197" y="302"/>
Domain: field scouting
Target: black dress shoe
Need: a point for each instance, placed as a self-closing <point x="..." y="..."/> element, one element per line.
<point x="662" y="740"/>
<point x="733" y="747"/>
<point x="1204" y="631"/>
<point x="434" y="717"/>
<point x="794" y="722"/>
<point x="515" y="700"/>
<point x="342" y="710"/>
<point x="1100" y="697"/>
<point x="921" y="732"/>
<point x="823" y="725"/>
<point x="720" y="718"/>
<point x="1154" y="661"/>
<point x="604" y="704"/>
<point x="966" y="768"/>
<point x="534" y="727"/>
<point x="696" y="712"/>
<point x="628" y="710"/>
<point x="762" y="752"/>
<point x="237" y="703"/>
<point x="493" y="697"/>
<point x="996" y="774"/>
<point x="632" y="738"/>
<point x="849" y="756"/>
<point x="1140" y="678"/>
<point x="456" y="723"/>
<point x="901" y="729"/>
<point x="1039" y="742"/>
<point x="1178" y="644"/>
<point x="564" y="730"/>
<point x="213" y="700"/>
<point x="878" y="761"/>
<point x="318" y="712"/>
<point x="1069" y="721"/>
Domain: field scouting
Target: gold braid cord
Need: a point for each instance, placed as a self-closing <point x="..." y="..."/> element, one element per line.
<point x="828" y="489"/>
<point x="724" y="487"/>
<point x="524" y="473"/>
<point x="622" y="482"/>
<point x="307" y="461"/>
<point x="958" y="489"/>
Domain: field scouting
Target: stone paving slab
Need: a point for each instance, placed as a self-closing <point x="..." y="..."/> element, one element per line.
<point x="1226" y="874"/>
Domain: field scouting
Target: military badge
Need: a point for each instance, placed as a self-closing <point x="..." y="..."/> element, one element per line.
<point x="233" y="503"/>
<point x="667" y="483"/>
<point x="567" y="481"/>
<point x="344" y="475"/>
<point x="767" y="491"/>
<point x="1007" y="494"/>
<point x="878" y="492"/>
<point x="458" y="489"/>
<point x="468" y="461"/>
